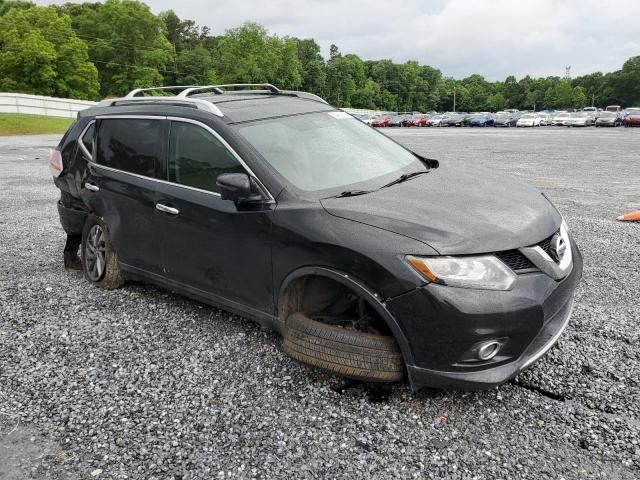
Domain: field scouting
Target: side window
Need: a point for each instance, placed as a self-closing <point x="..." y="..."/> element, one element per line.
<point x="197" y="158"/>
<point x="132" y="145"/>
<point x="87" y="139"/>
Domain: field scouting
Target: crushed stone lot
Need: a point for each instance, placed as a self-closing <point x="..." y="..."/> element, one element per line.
<point x="141" y="383"/>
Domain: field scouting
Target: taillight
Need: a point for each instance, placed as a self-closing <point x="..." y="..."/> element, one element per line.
<point x="55" y="162"/>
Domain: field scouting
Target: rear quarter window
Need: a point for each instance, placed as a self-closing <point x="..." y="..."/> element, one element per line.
<point x="131" y="145"/>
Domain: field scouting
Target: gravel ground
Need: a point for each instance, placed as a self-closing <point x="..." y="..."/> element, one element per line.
<point x="144" y="383"/>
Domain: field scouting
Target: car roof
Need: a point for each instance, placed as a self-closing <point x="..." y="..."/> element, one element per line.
<point x="249" y="107"/>
<point x="229" y="106"/>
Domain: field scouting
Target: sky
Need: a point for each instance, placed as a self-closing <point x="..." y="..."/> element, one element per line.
<point x="494" y="38"/>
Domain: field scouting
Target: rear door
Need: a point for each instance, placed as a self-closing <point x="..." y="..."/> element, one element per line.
<point x="121" y="185"/>
<point x="208" y="244"/>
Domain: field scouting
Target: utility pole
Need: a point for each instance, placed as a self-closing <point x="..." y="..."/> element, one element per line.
<point x="593" y="99"/>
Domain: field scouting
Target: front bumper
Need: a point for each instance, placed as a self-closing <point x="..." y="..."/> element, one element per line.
<point x="442" y="324"/>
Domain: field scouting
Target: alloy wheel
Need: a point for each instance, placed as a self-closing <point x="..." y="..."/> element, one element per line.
<point x="96" y="253"/>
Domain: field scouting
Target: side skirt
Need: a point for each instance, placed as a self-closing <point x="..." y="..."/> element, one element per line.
<point x="265" y="319"/>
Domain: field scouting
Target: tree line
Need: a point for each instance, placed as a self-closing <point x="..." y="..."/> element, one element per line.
<point x="94" y="50"/>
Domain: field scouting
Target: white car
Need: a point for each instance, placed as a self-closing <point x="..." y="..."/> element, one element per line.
<point x="580" y="119"/>
<point x="529" y="120"/>
<point x="560" y="118"/>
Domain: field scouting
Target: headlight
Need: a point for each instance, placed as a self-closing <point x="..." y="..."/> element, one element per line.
<point x="483" y="272"/>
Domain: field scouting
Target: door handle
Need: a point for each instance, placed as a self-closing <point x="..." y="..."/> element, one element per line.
<point x="91" y="186"/>
<point x="167" y="209"/>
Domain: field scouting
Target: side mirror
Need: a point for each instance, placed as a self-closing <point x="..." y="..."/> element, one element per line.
<point x="237" y="187"/>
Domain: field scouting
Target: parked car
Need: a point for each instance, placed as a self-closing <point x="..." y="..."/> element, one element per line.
<point x="436" y="120"/>
<point x="546" y="118"/>
<point x="370" y="260"/>
<point x="580" y="119"/>
<point x="608" y="119"/>
<point x="560" y="119"/>
<point x="381" y="121"/>
<point x="613" y="108"/>
<point x="506" y="119"/>
<point x="480" y="120"/>
<point x="632" y="119"/>
<point x="452" y="120"/>
<point x="529" y="120"/>
<point x="398" y="121"/>
<point x="420" y="121"/>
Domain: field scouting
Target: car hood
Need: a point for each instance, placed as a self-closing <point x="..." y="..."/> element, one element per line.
<point x="456" y="210"/>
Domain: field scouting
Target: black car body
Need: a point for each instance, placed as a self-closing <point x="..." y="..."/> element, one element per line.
<point x="399" y="121"/>
<point x="480" y="120"/>
<point x="506" y="119"/>
<point x="260" y="245"/>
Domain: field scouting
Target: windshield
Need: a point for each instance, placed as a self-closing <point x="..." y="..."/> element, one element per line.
<point x="581" y="114"/>
<point x="528" y="115"/>
<point x="608" y="115"/>
<point x="562" y="115"/>
<point x="328" y="150"/>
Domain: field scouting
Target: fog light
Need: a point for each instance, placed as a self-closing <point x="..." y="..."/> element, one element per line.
<point x="488" y="350"/>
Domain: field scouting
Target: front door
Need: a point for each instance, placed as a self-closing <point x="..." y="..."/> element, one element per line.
<point x="208" y="244"/>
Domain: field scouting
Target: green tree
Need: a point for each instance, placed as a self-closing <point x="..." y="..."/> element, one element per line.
<point x="248" y="54"/>
<point x="345" y="75"/>
<point x="40" y="53"/>
<point x="626" y="83"/>
<point x="126" y="42"/>
<point x="194" y="67"/>
<point x="312" y="66"/>
<point x="496" y="102"/>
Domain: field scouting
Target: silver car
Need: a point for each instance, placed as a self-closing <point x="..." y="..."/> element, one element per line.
<point x="580" y="119"/>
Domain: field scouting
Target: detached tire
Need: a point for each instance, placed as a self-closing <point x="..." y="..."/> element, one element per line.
<point x="349" y="353"/>
<point x="100" y="263"/>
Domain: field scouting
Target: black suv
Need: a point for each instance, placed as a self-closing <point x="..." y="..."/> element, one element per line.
<point x="371" y="261"/>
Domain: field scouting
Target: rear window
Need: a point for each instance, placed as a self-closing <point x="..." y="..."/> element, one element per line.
<point x="132" y="145"/>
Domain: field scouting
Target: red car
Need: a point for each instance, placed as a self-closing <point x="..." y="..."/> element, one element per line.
<point x="381" y="122"/>
<point x="633" y="119"/>
<point x="420" y="122"/>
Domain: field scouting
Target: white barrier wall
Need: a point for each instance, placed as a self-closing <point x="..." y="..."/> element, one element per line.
<point x="39" y="105"/>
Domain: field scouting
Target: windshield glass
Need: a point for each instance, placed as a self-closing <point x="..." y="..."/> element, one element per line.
<point x="562" y="115"/>
<point x="328" y="150"/>
<point x="528" y="115"/>
<point x="608" y="114"/>
<point x="580" y="114"/>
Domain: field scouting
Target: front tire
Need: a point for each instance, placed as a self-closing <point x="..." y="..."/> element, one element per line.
<point x="349" y="353"/>
<point x="100" y="262"/>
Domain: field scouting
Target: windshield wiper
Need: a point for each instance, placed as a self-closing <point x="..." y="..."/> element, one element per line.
<point x="404" y="177"/>
<point x="352" y="193"/>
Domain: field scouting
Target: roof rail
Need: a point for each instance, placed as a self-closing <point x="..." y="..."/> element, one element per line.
<point x="172" y="100"/>
<point x="217" y="89"/>
<point x="135" y="92"/>
<point x="307" y="95"/>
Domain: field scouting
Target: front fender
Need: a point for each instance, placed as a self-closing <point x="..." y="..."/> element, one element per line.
<point x="375" y="299"/>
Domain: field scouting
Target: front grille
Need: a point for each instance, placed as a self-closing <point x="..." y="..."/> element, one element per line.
<point x="546" y="244"/>
<point x="516" y="261"/>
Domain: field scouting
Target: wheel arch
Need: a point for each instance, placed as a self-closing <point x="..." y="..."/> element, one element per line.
<point x="374" y="299"/>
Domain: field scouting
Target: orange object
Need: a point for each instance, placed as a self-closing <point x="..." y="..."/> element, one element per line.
<point x="422" y="268"/>
<point x="630" y="217"/>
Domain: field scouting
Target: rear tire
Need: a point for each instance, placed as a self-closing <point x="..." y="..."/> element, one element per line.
<point x="349" y="353"/>
<point x="100" y="263"/>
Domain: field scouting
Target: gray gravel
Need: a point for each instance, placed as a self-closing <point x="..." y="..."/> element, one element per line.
<point x="144" y="383"/>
